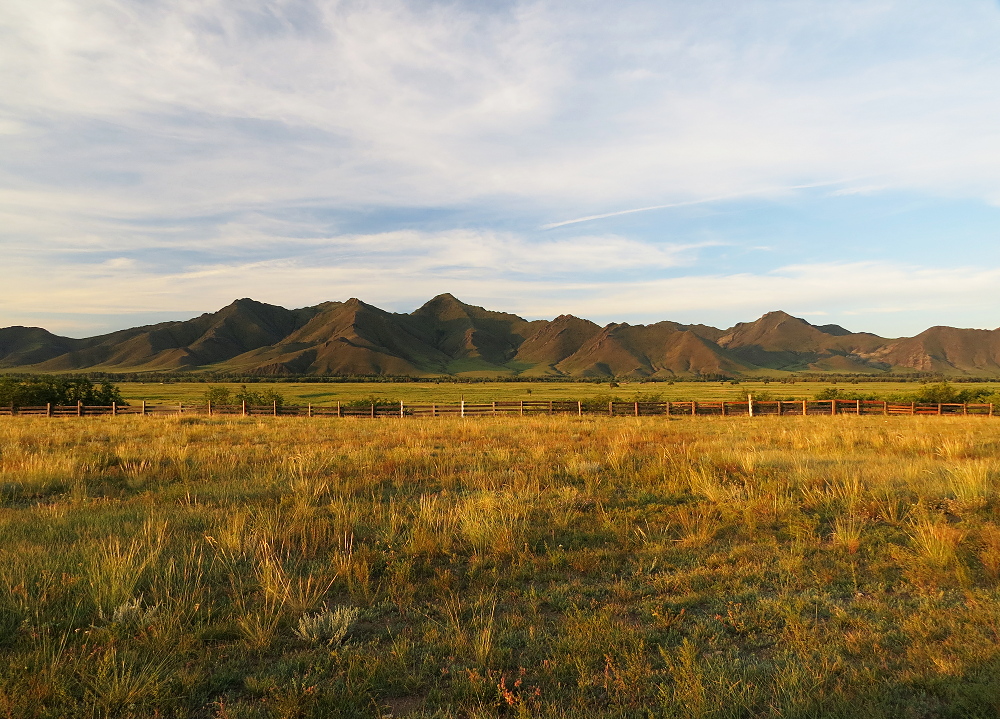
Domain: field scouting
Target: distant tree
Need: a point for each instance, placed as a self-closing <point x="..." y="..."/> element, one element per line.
<point x="37" y="390"/>
<point x="599" y="402"/>
<point x="259" y="397"/>
<point x="371" y="399"/>
<point x="837" y="393"/>
<point x="945" y="393"/>
<point x="219" y="395"/>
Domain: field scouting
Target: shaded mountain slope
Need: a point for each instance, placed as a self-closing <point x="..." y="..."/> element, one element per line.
<point x="658" y="350"/>
<point x="553" y="342"/>
<point x="947" y="350"/>
<point x="347" y="338"/>
<point x="209" y="339"/>
<point x="472" y="337"/>
<point x="20" y="346"/>
<point x="779" y="341"/>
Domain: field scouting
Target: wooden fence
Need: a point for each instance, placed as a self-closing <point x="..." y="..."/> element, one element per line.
<point x="784" y="408"/>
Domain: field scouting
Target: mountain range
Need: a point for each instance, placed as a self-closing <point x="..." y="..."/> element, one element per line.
<point x="448" y="337"/>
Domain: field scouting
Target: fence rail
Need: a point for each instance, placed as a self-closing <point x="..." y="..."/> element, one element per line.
<point x="782" y="408"/>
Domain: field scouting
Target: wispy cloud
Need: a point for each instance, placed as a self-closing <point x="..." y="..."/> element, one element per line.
<point x="209" y="105"/>
<point x="705" y="201"/>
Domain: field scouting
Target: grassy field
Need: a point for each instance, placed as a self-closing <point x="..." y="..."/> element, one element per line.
<point x="331" y="393"/>
<point x="537" y="567"/>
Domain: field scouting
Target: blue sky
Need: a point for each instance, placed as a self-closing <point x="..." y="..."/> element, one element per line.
<point x="629" y="161"/>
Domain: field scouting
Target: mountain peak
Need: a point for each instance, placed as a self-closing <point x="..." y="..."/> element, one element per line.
<point x="245" y="302"/>
<point x="445" y="299"/>
<point x="835" y="330"/>
<point x="445" y="306"/>
<point x="776" y="317"/>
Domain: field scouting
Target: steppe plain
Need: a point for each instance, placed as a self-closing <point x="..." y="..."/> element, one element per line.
<point x="531" y="567"/>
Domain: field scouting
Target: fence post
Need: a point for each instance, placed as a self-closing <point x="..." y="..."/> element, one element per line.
<point x="550" y="406"/>
<point x="939" y="408"/>
<point x="694" y="408"/>
<point x="209" y="408"/>
<point x="494" y="408"/>
<point x="274" y="402"/>
<point x="833" y="407"/>
<point x="48" y="409"/>
<point x="309" y="410"/>
<point x="400" y="408"/>
<point x="965" y="408"/>
<point x="885" y="408"/>
<point x="991" y="409"/>
<point x="434" y="410"/>
<point x="668" y="408"/>
<point x="611" y="409"/>
<point x="750" y="404"/>
<point x="579" y="408"/>
<point x="144" y="408"/>
<point x="462" y="409"/>
<point x="778" y="402"/>
<point x="180" y="408"/>
<point x="805" y="407"/>
<point x="79" y="408"/>
<point x="636" y="409"/>
<point x="114" y="409"/>
<point x="859" y="407"/>
<point x="339" y="412"/>
<point x="522" y="407"/>
<point x="244" y="408"/>
<point x="913" y="408"/>
<point x="373" y="410"/>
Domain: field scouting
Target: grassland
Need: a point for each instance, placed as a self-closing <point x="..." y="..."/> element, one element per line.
<point x="537" y="567"/>
<point x="443" y="392"/>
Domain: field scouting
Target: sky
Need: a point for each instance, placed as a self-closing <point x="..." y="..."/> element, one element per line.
<point x="630" y="161"/>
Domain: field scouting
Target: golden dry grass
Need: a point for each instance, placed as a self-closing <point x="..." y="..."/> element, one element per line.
<point x="536" y="567"/>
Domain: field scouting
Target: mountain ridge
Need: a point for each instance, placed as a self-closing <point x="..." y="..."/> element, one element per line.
<point x="448" y="337"/>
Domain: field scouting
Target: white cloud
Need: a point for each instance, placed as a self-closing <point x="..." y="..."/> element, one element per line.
<point x="175" y="146"/>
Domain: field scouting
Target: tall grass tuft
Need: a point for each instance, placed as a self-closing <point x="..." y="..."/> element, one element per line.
<point x="119" y="681"/>
<point x="847" y="533"/>
<point x="116" y="568"/>
<point x="936" y="540"/>
<point x="969" y="481"/>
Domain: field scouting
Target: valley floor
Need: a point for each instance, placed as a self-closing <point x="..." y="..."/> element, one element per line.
<point x="537" y="567"/>
<point x="393" y="392"/>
